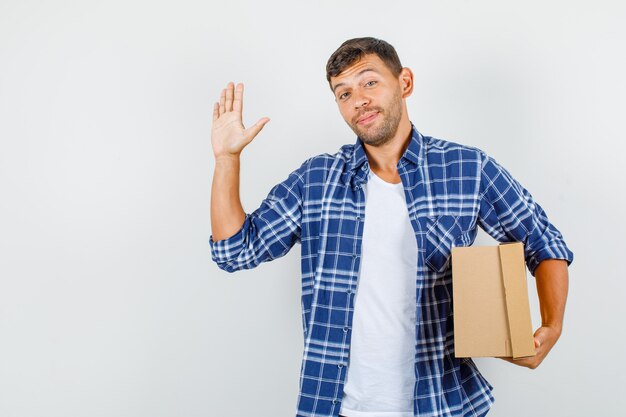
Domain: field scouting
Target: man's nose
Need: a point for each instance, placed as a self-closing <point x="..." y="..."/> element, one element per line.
<point x="360" y="101"/>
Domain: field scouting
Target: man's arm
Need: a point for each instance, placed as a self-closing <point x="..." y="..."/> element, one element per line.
<point x="240" y="240"/>
<point x="227" y="215"/>
<point x="552" y="284"/>
<point x="228" y="138"/>
<point x="509" y="213"/>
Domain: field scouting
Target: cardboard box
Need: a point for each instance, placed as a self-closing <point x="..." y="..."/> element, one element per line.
<point x="491" y="309"/>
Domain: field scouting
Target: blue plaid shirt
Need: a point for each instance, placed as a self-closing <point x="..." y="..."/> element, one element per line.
<point x="450" y="190"/>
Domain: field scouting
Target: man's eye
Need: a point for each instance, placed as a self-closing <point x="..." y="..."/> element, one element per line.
<point x="370" y="83"/>
<point x="344" y="95"/>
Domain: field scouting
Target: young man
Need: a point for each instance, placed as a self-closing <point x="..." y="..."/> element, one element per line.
<point x="377" y="221"/>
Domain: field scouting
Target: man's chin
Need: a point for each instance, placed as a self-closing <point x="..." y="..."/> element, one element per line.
<point x="371" y="136"/>
<point x="366" y="135"/>
<point x="374" y="141"/>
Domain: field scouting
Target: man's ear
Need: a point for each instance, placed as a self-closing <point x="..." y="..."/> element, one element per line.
<point x="406" y="82"/>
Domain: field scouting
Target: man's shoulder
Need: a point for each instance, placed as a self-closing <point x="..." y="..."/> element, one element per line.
<point x="327" y="160"/>
<point x="437" y="146"/>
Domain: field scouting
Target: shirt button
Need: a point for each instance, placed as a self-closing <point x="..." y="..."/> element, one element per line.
<point x="354" y="255"/>
<point x="340" y="366"/>
<point x="358" y="218"/>
<point x="345" y="329"/>
<point x="334" y="401"/>
<point x="349" y="291"/>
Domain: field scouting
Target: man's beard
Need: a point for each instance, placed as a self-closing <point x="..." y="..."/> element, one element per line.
<point x="388" y="127"/>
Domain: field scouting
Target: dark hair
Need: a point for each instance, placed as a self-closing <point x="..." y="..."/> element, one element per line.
<point x="354" y="49"/>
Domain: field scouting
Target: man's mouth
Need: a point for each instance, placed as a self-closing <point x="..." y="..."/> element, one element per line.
<point x="367" y="118"/>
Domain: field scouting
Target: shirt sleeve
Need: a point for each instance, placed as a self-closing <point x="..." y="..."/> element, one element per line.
<point x="268" y="232"/>
<point x="509" y="214"/>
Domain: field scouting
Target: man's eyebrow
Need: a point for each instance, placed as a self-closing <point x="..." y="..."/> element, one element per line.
<point x="359" y="73"/>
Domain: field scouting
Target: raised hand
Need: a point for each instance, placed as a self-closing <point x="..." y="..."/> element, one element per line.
<point x="228" y="135"/>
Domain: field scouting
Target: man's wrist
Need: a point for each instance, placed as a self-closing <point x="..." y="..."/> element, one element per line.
<point x="227" y="158"/>
<point x="558" y="327"/>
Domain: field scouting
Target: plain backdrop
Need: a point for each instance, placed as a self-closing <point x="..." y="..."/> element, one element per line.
<point x="109" y="302"/>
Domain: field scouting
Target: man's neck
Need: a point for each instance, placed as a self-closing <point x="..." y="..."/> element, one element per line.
<point x="384" y="159"/>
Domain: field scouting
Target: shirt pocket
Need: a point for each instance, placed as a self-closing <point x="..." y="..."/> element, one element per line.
<point x="443" y="233"/>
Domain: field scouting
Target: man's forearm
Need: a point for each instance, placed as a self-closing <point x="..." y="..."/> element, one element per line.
<point x="552" y="284"/>
<point x="227" y="214"/>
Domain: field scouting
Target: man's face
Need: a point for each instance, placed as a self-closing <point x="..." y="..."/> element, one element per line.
<point x="369" y="97"/>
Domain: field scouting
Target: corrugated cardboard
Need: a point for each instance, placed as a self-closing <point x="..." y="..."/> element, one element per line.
<point x="491" y="309"/>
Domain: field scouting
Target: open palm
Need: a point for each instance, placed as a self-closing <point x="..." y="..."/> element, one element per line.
<point x="228" y="135"/>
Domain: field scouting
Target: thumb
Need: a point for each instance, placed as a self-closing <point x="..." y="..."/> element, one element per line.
<point x="254" y="130"/>
<point x="539" y="337"/>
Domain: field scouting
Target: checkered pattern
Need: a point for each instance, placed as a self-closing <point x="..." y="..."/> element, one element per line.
<point x="450" y="190"/>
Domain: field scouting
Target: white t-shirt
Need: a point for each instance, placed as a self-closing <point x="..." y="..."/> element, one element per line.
<point x="381" y="376"/>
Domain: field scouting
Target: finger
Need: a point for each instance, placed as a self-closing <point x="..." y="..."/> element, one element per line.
<point x="543" y="336"/>
<point x="254" y="130"/>
<point x="229" y="96"/>
<point x="238" y="102"/>
<point x="223" y="102"/>
<point x="216" y="111"/>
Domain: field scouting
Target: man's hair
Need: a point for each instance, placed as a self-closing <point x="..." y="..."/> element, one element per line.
<point x="353" y="50"/>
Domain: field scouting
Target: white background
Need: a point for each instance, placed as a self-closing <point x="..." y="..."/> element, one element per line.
<point x="109" y="303"/>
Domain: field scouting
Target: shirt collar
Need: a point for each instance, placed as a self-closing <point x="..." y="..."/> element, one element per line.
<point x="412" y="152"/>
